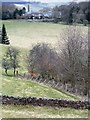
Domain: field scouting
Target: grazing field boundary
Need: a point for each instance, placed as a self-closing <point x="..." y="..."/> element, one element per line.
<point x="44" y="102"/>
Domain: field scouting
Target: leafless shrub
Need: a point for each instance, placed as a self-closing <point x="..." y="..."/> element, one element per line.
<point x="42" y="59"/>
<point x="74" y="57"/>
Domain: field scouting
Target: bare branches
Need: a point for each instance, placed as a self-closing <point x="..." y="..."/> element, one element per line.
<point x="73" y="55"/>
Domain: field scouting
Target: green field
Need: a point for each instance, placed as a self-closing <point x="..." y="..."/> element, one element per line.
<point x="23" y="35"/>
<point x="18" y="87"/>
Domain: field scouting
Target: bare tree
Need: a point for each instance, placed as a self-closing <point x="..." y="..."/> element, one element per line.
<point x="42" y="59"/>
<point x="74" y="57"/>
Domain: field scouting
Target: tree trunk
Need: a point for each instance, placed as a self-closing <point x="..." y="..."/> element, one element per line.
<point x="42" y="76"/>
<point x="14" y="71"/>
<point x="73" y="83"/>
<point x="17" y="73"/>
<point x="6" y="71"/>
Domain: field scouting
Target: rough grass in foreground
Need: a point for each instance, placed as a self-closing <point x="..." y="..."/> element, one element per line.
<point x="11" y="111"/>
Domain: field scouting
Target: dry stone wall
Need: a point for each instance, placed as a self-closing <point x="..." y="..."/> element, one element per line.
<point x="44" y="102"/>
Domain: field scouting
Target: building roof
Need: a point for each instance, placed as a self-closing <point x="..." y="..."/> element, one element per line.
<point x="29" y="13"/>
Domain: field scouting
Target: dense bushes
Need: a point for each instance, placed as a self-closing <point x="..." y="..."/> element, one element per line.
<point x="10" y="11"/>
<point x="74" y="12"/>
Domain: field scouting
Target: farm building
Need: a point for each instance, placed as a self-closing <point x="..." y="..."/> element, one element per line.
<point x="33" y="15"/>
<point x="37" y="15"/>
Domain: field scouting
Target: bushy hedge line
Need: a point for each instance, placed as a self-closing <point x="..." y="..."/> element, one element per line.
<point x="44" y="102"/>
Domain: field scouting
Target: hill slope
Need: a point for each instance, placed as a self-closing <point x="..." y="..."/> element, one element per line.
<point x="13" y="86"/>
<point x="19" y="87"/>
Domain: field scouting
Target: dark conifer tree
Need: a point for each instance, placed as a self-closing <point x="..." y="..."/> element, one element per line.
<point x="4" y="36"/>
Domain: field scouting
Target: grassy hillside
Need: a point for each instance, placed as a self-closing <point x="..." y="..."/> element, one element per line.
<point x="18" y="87"/>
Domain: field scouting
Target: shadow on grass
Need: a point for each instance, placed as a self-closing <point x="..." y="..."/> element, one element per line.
<point x="8" y="75"/>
